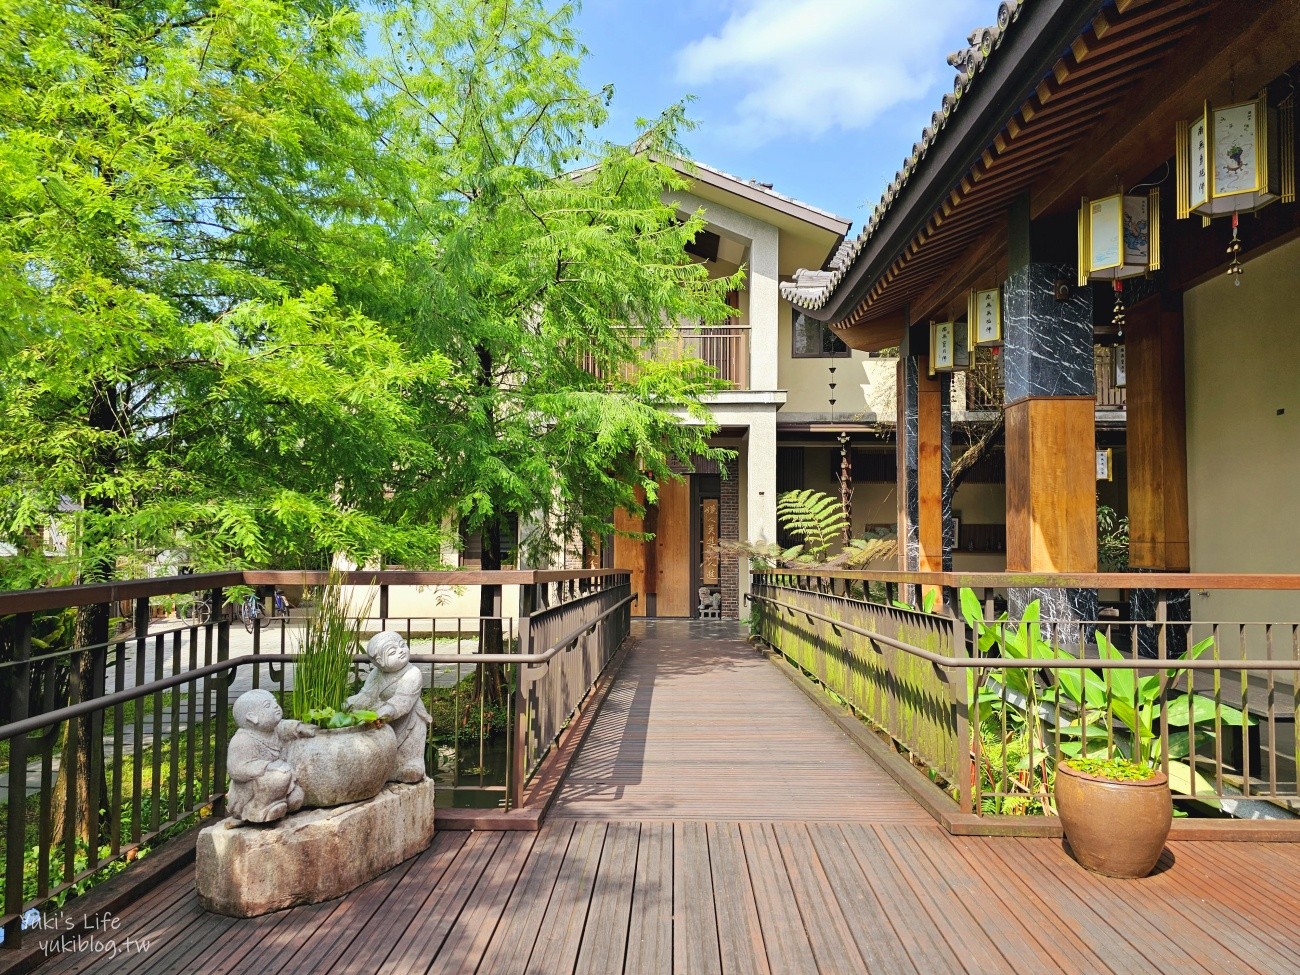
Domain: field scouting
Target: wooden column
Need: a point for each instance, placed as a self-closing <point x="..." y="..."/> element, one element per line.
<point x="630" y="553"/>
<point x="901" y="469"/>
<point x="1051" y="484"/>
<point x="929" y="471"/>
<point x="1157" y="442"/>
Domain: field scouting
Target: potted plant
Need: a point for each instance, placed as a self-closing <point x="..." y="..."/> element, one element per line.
<point x="1116" y="814"/>
<point x="353" y="753"/>
<point x="1103" y="731"/>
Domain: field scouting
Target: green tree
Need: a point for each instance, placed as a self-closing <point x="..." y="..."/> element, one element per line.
<point x="181" y="185"/>
<point x="547" y="263"/>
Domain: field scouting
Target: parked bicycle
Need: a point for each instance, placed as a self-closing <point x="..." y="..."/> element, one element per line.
<point x="252" y="614"/>
<point x="194" y="609"/>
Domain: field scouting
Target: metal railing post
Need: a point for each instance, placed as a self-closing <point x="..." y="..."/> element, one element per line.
<point x="16" y="827"/>
<point x="517" y="762"/>
<point x="223" y="707"/>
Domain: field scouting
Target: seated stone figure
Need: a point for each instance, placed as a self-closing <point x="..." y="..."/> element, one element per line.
<point x="263" y="786"/>
<point x="393" y="690"/>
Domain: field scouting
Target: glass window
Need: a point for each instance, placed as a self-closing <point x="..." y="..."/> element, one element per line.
<point x="814" y="339"/>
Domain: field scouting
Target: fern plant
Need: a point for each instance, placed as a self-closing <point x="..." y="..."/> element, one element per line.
<point x="815" y="518"/>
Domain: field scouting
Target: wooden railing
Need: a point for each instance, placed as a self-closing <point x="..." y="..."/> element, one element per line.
<point x="146" y="709"/>
<point x="984" y="382"/>
<point x="725" y="348"/>
<point x="1220" y="700"/>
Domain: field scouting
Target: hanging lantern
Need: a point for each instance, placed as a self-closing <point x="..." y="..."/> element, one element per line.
<point x="1119" y="367"/>
<point x="1119" y="236"/>
<point x="984" y="318"/>
<point x="1236" y="158"/>
<point x="948" y="347"/>
<point x="943" y="346"/>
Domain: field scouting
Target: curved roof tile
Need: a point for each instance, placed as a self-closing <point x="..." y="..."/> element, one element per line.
<point x="811" y="289"/>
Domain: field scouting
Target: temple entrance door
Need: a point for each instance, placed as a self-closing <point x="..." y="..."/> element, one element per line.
<point x="673" y="550"/>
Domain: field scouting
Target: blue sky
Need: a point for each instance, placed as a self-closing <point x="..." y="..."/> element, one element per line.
<point x="822" y="98"/>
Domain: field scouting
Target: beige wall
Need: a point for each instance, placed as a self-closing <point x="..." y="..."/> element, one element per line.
<point x="1243" y="432"/>
<point x="866" y="388"/>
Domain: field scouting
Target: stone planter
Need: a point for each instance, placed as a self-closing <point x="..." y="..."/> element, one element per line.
<point x="1117" y="829"/>
<point x="342" y="765"/>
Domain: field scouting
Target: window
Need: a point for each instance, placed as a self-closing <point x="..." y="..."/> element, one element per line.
<point x="815" y="340"/>
<point x="471" y="555"/>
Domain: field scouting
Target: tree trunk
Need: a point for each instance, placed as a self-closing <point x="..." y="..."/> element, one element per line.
<point x="977" y="451"/>
<point x="490" y="679"/>
<point x="82" y="750"/>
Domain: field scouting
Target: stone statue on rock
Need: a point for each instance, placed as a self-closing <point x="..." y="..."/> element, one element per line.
<point x="263" y="784"/>
<point x="394" y="690"/>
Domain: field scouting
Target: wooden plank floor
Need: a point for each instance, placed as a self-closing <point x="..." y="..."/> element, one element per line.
<point x="782" y="898"/>
<point x="701" y="726"/>
<point x="681" y="890"/>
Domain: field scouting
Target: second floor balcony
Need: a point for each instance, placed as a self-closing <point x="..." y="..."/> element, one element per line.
<point x="724" y="347"/>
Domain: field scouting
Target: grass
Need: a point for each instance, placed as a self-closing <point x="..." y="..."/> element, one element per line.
<point x="172" y="750"/>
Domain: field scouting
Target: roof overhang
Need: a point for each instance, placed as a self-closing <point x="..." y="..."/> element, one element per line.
<point x="1077" y="95"/>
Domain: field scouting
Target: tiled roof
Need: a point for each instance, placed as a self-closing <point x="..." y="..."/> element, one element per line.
<point x="766" y="190"/>
<point x="812" y="289"/>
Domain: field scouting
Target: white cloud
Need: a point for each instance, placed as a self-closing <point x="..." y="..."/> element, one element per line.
<point x="804" y="67"/>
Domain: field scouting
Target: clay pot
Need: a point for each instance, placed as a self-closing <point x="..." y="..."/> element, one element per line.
<point x="1117" y="829"/>
<point x="342" y="765"/>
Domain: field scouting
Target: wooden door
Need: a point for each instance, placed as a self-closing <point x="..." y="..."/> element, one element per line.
<point x="673" y="555"/>
<point x="630" y="554"/>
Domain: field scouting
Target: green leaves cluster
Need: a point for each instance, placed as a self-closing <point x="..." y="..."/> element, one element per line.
<point x="1097" y="714"/>
<point x="288" y="278"/>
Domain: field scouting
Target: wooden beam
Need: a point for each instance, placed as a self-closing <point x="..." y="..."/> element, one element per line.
<point x="991" y="249"/>
<point x="872" y="336"/>
<point x="1140" y="135"/>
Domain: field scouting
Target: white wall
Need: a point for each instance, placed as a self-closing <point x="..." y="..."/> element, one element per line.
<point x="1243" y="432"/>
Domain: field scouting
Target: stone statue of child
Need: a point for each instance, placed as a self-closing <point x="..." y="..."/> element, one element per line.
<point x="263" y="786"/>
<point x="393" y="690"/>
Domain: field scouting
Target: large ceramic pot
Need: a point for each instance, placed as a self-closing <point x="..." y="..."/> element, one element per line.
<point x="342" y="765"/>
<point x="1117" y="829"/>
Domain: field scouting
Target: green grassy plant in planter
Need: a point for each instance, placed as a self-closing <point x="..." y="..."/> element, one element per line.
<point x="352" y="755"/>
<point x="1116" y="814"/>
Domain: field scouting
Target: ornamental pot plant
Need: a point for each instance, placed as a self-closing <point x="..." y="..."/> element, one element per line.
<point x="1116" y="814"/>
<point x="353" y="753"/>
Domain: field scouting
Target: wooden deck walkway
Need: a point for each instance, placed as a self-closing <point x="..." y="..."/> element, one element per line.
<point x="700" y="726"/>
<point x="665" y="886"/>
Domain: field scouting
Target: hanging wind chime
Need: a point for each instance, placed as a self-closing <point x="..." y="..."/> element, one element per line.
<point x="1234" y="159"/>
<point x="846" y="468"/>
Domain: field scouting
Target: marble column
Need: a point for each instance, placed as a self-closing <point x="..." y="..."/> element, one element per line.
<point x="1050" y="436"/>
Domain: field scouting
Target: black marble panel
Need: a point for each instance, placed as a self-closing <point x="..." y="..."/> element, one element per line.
<point x="1047" y="343"/>
<point x="1067" y="614"/>
<point x="1178" y="609"/>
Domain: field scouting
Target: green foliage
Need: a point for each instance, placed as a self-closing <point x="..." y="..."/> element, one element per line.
<point x="1097" y="715"/>
<point x="1116" y="769"/>
<point x="287" y="278"/>
<point x="459" y="714"/>
<point x="1112" y="540"/>
<point x="322" y="677"/>
<point x="815" y="518"/>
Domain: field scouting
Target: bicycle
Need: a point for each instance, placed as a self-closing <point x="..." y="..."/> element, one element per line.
<point x="194" y="609"/>
<point x="251" y="613"/>
<point x="279" y="606"/>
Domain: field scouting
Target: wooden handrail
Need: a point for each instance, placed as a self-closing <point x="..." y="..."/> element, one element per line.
<point x="1045" y="580"/>
<point x="62" y="597"/>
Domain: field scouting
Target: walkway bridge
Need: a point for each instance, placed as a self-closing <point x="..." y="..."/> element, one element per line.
<point x="718" y="818"/>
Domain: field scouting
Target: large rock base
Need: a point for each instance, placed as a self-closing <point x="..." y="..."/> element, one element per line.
<point x="245" y="870"/>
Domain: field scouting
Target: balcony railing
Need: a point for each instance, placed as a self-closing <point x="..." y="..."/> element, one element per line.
<point x="132" y="729"/>
<point x="725" y="348"/>
<point x="988" y="704"/>
<point x="984" y="382"/>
